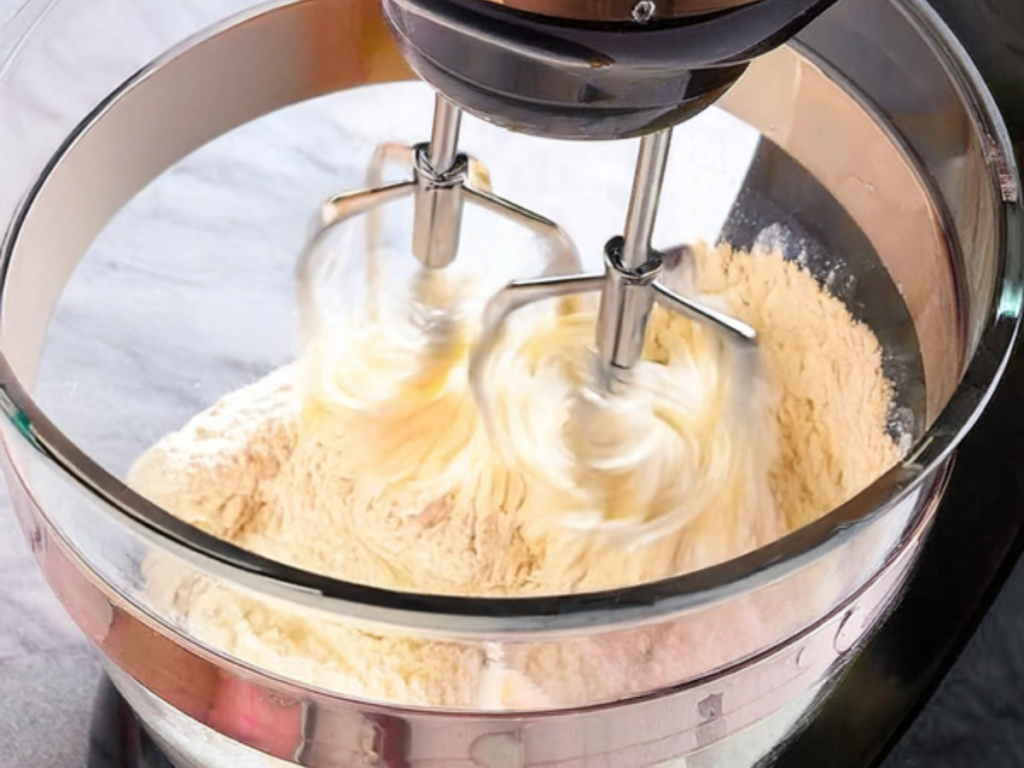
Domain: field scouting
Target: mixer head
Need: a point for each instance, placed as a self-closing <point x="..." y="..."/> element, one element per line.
<point x="590" y="69"/>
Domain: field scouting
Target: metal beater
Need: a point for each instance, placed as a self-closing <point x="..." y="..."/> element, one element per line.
<point x="443" y="181"/>
<point x="629" y="285"/>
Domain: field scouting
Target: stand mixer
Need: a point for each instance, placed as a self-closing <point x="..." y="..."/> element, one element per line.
<point x="931" y="216"/>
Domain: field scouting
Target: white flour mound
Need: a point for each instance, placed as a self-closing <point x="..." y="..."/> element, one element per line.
<point x="368" y="461"/>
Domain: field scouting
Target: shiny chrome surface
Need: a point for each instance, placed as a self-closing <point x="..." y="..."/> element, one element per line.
<point x="443" y="182"/>
<point x="645" y="198"/>
<point x="866" y="170"/>
<point x="909" y="183"/>
<point x="627" y="297"/>
<point x="440" y="176"/>
<point x="733" y="330"/>
<point x="629" y="288"/>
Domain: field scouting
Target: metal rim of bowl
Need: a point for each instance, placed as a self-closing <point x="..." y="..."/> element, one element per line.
<point x="631" y="605"/>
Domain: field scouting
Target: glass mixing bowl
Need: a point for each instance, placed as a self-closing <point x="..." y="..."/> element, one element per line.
<point x="156" y="212"/>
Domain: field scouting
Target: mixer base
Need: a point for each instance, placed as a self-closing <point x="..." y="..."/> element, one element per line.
<point x="976" y="541"/>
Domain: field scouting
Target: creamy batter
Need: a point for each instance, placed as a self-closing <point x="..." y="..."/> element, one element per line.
<point x="369" y="461"/>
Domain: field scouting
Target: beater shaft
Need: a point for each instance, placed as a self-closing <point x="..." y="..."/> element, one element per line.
<point x="732" y="329"/>
<point x="443" y="181"/>
<point x="627" y="296"/>
<point x="444" y="135"/>
<point x="643" y="203"/>
<point x="440" y="173"/>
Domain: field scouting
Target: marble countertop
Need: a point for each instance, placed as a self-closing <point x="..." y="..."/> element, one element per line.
<point x="48" y="675"/>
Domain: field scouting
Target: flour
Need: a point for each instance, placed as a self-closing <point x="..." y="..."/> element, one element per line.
<point x="395" y="482"/>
